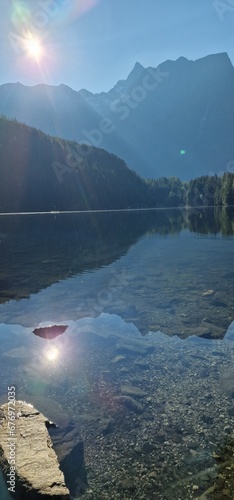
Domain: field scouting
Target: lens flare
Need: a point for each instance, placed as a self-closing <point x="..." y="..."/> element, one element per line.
<point x="85" y="5"/>
<point x="33" y="47"/>
<point x="21" y="14"/>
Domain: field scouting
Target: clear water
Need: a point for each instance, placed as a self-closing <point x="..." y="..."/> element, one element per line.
<point x="144" y="371"/>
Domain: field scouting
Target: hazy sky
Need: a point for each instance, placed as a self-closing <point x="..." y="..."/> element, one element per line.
<point x="94" y="43"/>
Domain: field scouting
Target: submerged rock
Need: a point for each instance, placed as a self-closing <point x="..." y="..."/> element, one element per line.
<point x="208" y="330"/>
<point x="134" y="347"/>
<point x="207" y="293"/>
<point x="227" y="383"/>
<point x="118" y="359"/>
<point x="107" y="426"/>
<point x="129" y="403"/>
<point x="127" y="484"/>
<point x="69" y="448"/>
<point x="129" y="390"/>
<point x="30" y="456"/>
<point x="141" y="364"/>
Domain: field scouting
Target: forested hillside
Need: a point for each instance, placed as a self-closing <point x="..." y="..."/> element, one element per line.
<point x="43" y="173"/>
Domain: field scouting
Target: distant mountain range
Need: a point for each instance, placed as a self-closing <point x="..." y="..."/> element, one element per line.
<point x="175" y="120"/>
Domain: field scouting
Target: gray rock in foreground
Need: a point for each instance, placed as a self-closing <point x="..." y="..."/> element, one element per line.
<point x="38" y="475"/>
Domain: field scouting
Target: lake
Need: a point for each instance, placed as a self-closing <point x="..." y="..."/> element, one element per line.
<point x="139" y="373"/>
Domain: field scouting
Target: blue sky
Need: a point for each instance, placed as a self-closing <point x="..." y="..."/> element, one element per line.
<point x="93" y="43"/>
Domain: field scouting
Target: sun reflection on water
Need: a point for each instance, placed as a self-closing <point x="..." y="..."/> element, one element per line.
<point x="52" y="353"/>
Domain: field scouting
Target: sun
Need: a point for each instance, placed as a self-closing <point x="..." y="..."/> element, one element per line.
<point x="33" y="47"/>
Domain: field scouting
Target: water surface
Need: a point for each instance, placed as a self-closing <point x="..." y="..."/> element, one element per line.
<point x="144" y="370"/>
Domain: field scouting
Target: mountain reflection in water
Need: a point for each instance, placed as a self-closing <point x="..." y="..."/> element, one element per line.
<point x="50" y="332"/>
<point x="149" y="267"/>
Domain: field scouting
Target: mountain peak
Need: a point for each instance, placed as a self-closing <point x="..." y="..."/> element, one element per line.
<point x="182" y="60"/>
<point x="124" y="85"/>
<point x="221" y="58"/>
<point x="136" y="71"/>
<point x="138" y="66"/>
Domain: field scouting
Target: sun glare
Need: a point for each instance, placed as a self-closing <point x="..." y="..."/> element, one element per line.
<point x="33" y="48"/>
<point x="52" y="353"/>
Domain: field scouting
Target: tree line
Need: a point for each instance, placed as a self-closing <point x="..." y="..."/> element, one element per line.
<point x="43" y="173"/>
<point x="202" y="191"/>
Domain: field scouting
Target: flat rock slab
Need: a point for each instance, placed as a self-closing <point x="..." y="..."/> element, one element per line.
<point x="129" y="390"/>
<point x="37" y="471"/>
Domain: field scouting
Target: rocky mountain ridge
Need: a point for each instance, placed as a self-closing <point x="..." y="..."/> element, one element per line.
<point x="173" y="120"/>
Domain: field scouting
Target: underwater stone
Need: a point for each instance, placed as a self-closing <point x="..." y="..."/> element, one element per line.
<point x="129" y="403"/>
<point x="118" y="359"/>
<point x="129" y="390"/>
<point x="207" y="293"/>
<point x="127" y="484"/>
<point x="134" y="348"/>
